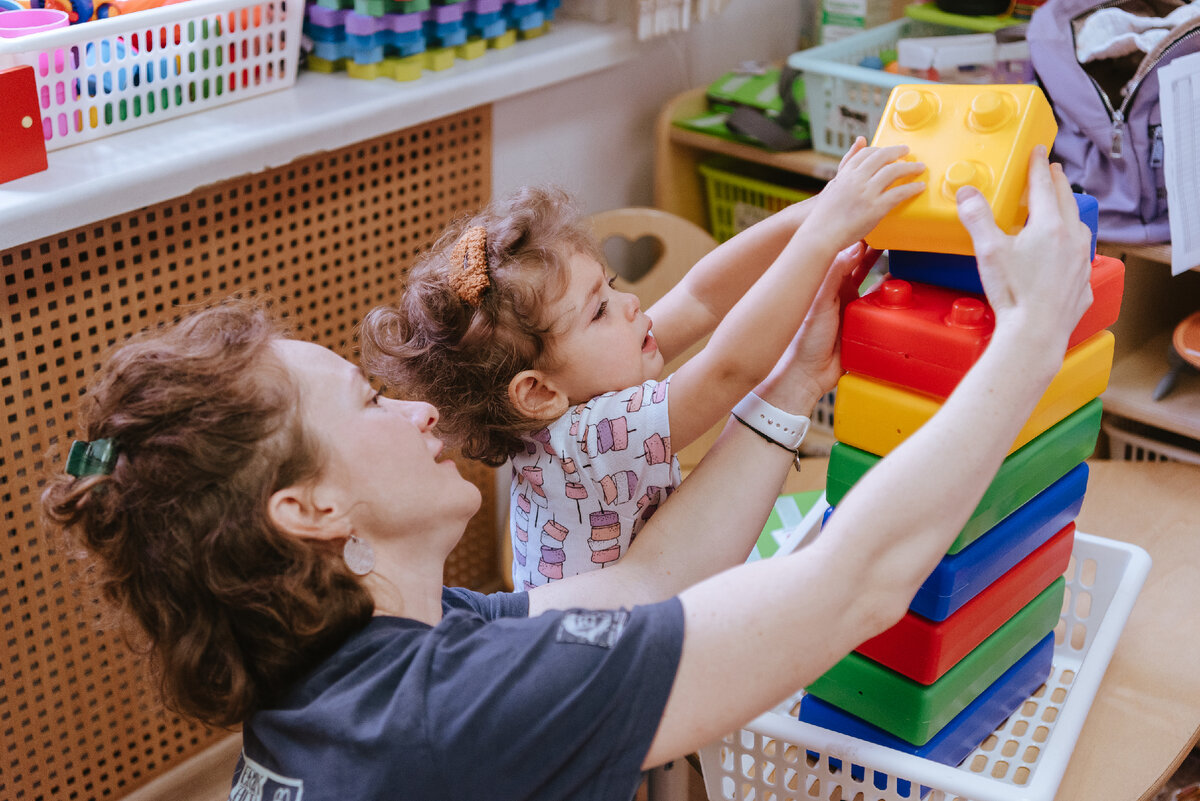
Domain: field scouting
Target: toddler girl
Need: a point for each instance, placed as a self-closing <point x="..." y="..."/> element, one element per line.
<point x="512" y="327"/>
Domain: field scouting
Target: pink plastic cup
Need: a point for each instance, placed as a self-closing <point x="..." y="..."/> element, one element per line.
<point x="24" y="21"/>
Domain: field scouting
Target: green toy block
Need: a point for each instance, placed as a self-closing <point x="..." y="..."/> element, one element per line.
<point x="377" y="8"/>
<point x="914" y="712"/>
<point x="1026" y="472"/>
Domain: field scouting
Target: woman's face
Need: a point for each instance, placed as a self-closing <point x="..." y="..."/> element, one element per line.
<point x="384" y="465"/>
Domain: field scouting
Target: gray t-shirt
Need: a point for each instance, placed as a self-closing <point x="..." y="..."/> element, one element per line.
<point x="489" y="703"/>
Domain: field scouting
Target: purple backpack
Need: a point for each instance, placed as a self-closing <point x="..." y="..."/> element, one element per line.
<point x="1109" y="124"/>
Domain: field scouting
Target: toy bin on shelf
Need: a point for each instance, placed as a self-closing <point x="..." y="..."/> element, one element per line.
<point x="112" y="75"/>
<point x="845" y="100"/>
<point x="1131" y="441"/>
<point x="770" y="757"/>
<point x="741" y="193"/>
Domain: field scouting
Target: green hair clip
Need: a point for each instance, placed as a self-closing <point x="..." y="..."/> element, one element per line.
<point x="91" y="458"/>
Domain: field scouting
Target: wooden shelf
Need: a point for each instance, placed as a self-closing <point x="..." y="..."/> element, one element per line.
<point x="1131" y="387"/>
<point x="677" y="185"/>
<point x="1157" y="253"/>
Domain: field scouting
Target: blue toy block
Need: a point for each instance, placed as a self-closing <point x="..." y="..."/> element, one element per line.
<point x="391" y="41"/>
<point x="962" y="272"/>
<point x="448" y="35"/>
<point x="961" y="576"/>
<point x="958" y="738"/>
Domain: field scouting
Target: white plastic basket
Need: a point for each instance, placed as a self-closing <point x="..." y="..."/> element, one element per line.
<point x="1129" y="443"/>
<point x="106" y="76"/>
<point x="1023" y="760"/>
<point x="845" y="100"/>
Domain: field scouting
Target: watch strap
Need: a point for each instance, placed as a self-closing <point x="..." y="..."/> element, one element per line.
<point x="785" y="429"/>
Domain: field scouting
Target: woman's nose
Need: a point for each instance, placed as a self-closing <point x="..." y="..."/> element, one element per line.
<point x="424" y="415"/>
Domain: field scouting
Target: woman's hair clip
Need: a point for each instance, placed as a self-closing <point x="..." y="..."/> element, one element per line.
<point x="91" y="458"/>
<point x="469" y="268"/>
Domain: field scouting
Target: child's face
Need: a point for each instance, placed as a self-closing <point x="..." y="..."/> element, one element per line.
<point x="602" y="340"/>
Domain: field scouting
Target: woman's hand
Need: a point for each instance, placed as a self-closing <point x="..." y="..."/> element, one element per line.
<point x="812" y="365"/>
<point x="863" y="191"/>
<point x="1039" y="278"/>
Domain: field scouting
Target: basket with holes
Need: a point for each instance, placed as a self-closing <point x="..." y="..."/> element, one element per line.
<point x="844" y="99"/>
<point x="111" y="75"/>
<point x="777" y="756"/>
<point x="1130" y="441"/>
<point x="741" y="193"/>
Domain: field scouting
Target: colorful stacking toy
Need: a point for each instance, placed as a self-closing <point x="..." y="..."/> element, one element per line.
<point x="403" y="39"/>
<point x="978" y="637"/>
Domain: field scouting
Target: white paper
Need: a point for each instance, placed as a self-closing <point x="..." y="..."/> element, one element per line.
<point x="1179" y="100"/>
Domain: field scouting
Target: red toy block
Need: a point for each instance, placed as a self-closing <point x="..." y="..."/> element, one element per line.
<point x="926" y="337"/>
<point x="924" y="650"/>
<point x="24" y="151"/>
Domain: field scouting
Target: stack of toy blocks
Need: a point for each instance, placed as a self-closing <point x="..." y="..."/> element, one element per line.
<point x="978" y="637"/>
<point x="401" y="39"/>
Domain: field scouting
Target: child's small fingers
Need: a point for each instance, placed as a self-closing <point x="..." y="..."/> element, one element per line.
<point x="896" y="171"/>
<point x="876" y="158"/>
<point x="895" y="195"/>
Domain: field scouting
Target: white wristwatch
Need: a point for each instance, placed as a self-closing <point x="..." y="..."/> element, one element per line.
<point x="784" y="429"/>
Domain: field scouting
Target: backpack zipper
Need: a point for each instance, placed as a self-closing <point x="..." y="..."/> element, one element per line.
<point x="1117" y="115"/>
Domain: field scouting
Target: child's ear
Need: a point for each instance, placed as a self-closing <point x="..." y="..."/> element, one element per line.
<point x="535" y="397"/>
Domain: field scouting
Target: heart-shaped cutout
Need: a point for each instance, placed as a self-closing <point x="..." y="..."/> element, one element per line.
<point x="632" y="259"/>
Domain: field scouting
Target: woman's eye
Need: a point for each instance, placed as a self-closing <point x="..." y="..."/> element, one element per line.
<point x="600" y="312"/>
<point x="612" y="280"/>
<point x="375" y="399"/>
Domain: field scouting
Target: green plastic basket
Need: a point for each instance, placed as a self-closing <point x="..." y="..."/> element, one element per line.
<point x="741" y="194"/>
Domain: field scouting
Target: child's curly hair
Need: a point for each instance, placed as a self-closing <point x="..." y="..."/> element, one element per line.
<point x="436" y="346"/>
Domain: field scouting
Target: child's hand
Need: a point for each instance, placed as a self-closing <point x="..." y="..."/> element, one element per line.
<point x="863" y="191"/>
<point x="812" y="365"/>
<point x="1040" y="277"/>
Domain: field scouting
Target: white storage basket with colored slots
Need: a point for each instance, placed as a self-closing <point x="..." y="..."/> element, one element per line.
<point x="845" y="100"/>
<point x="111" y="75"/>
<point x="1023" y="760"/>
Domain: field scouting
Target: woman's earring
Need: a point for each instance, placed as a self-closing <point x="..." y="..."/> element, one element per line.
<point x="358" y="555"/>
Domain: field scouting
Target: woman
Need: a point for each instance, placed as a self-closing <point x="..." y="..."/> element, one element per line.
<point x="279" y="531"/>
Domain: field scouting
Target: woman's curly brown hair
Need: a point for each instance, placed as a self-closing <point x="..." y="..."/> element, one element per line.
<point x="206" y="423"/>
<point x="434" y="346"/>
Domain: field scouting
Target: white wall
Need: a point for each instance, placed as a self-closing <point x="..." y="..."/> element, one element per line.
<point x="594" y="135"/>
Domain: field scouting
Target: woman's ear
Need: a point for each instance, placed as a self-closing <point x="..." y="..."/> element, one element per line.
<point x="296" y="510"/>
<point x="535" y="397"/>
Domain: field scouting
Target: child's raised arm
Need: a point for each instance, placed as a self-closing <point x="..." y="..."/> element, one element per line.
<point x="753" y="334"/>
<point x="691" y="309"/>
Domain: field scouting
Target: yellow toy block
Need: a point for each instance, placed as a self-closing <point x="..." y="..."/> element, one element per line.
<point x="398" y="69"/>
<point x="875" y="416"/>
<point x="504" y="40"/>
<point x="980" y="135"/>
<point x="471" y="49"/>
<point x="439" y="59"/>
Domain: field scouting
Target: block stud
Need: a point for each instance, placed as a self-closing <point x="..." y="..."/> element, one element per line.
<point x="914" y="108"/>
<point x="895" y="294"/>
<point x="989" y="111"/>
